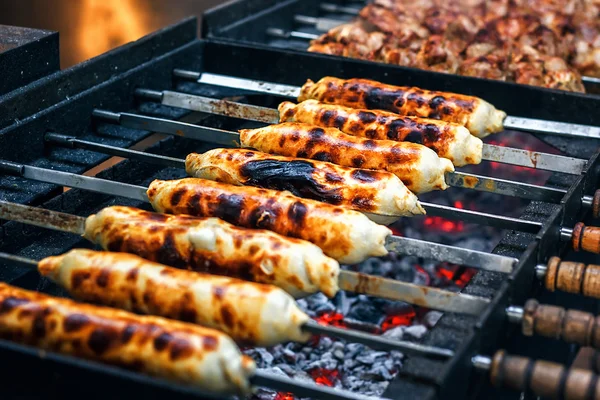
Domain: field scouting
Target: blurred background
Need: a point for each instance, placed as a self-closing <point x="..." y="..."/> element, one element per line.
<point x="91" y="27"/>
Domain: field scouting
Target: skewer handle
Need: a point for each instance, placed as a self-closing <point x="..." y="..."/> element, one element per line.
<point x="573" y="277"/>
<point x="596" y="204"/>
<point x="572" y="326"/>
<point x="543" y="378"/>
<point x="586" y="238"/>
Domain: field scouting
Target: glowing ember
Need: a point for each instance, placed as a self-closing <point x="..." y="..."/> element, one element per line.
<point x="404" y="319"/>
<point x="444" y="225"/>
<point x="331" y="318"/>
<point x="395" y="231"/>
<point x="464" y="278"/>
<point x="424" y="274"/>
<point x="326" y="377"/>
<point x="460" y="276"/>
<point x="284" y="396"/>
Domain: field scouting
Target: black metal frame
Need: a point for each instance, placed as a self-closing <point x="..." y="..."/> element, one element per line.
<point x="109" y="81"/>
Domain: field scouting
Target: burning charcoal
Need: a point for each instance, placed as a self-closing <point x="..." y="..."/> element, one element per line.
<point x="349" y="364"/>
<point x="264" y="394"/>
<point x="365" y="311"/>
<point x="353" y="349"/>
<point x="342" y="302"/>
<point x="416" y="331"/>
<point x="325" y="343"/>
<point x="431" y="318"/>
<point x="389" y="364"/>
<point x="287" y="369"/>
<point x="369" y="357"/>
<point x="338" y="350"/>
<point x="289" y="355"/>
<point x="261" y="356"/>
<point x="319" y="303"/>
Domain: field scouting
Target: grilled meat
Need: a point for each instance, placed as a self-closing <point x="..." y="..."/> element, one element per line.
<point x="438" y="35"/>
<point x="252" y="313"/>
<point x="477" y="115"/>
<point x="363" y="190"/>
<point x="448" y="140"/>
<point x="346" y="235"/>
<point x="417" y="166"/>
<point x="214" y="246"/>
<point x="185" y="353"/>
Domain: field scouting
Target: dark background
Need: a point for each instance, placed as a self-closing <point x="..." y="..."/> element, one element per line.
<point x="90" y="27"/>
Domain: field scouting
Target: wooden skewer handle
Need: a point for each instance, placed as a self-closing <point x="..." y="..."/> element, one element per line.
<point x="573" y="277"/>
<point x="586" y="238"/>
<point x="555" y="322"/>
<point x="543" y="378"/>
<point x="596" y="204"/>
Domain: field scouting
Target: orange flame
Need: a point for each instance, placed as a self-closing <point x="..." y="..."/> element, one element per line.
<point x="105" y="24"/>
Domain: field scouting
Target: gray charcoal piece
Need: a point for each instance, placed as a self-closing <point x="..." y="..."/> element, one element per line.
<point x="394" y="333"/>
<point x="416" y="331"/>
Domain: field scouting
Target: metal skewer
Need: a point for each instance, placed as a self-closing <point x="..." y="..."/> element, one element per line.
<point x="311" y="326"/>
<point x="276" y="89"/>
<point x="390" y="289"/>
<point x="335" y="8"/>
<point x="507" y="155"/>
<point x="320" y="24"/>
<point x="229" y="138"/>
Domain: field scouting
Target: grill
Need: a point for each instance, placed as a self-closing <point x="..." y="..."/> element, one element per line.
<point x="113" y="103"/>
<point x="291" y="24"/>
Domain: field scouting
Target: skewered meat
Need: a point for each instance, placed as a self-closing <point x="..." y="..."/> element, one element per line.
<point x="214" y="246"/>
<point x="363" y="190"/>
<point x="173" y="350"/>
<point x="478" y="116"/>
<point x="350" y="40"/>
<point x="448" y="140"/>
<point x="346" y="235"/>
<point x="417" y="166"/>
<point x="262" y="315"/>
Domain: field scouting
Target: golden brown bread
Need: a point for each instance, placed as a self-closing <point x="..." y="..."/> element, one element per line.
<point x="359" y="189"/>
<point x="477" y="115"/>
<point x="217" y="247"/>
<point x="185" y="353"/>
<point x="249" y="312"/>
<point x="418" y="167"/>
<point x="448" y="140"/>
<point x="346" y="235"/>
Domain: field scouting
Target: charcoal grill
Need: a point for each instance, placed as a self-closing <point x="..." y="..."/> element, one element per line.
<point x="64" y="103"/>
<point x="290" y="24"/>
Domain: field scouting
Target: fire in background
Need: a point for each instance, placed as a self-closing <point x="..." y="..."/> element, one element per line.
<point x="105" y="24"/>
<point x="91" y="27"/>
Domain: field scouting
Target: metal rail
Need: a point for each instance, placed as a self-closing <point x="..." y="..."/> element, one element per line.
<point x="506" y="155"/>
<point x="276" y="89"/>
